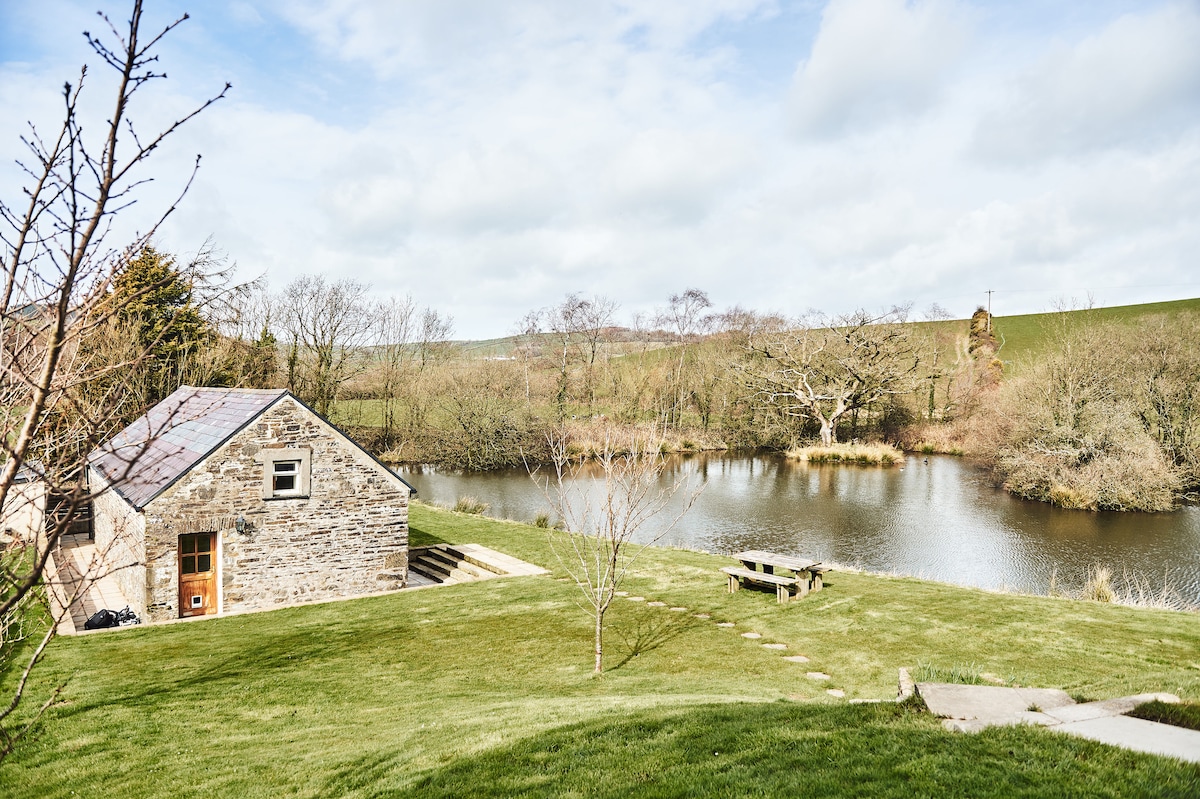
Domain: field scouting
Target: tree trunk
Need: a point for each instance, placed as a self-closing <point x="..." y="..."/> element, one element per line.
<point x="828" y="434"/>
<point x="599" y="642"/>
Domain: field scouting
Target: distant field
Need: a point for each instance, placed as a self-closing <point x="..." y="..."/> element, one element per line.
<point x="1024" y="337"/>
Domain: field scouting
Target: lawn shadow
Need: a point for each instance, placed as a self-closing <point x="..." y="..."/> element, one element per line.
<point x="646" y="629"/>
<point x="421" y="538"/>
<point x="884" y="750"/>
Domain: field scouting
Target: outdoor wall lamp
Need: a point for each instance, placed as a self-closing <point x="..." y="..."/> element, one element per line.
<point x="240" y="525"/>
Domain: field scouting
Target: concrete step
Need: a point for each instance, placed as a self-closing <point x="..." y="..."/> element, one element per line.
<point x="451" y="559"/>
<point x="443" y="564"/>
<point x="457" y="563"/>
<point x="496" y="562"/>
<point x="428" y="571"/>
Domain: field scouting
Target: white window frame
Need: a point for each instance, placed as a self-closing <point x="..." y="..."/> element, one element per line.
<point x="302" y="457"/>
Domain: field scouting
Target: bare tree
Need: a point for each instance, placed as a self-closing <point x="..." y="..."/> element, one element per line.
<point x="58" y="268"/>
<point x="683" y="316"/>
<point x="394" y="353"/>
<point x="594" y="319"/>
<point x="561" y="325"/>
<point x="938" y="339"/>
<point x="527" y="333"/>
<point x="825" y="368"/>
<point x="601" y="544"/>
<point x="327" y="325"/>
<point x="433" y="340"/>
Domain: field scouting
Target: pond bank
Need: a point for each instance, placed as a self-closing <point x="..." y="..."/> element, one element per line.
<point x="937" y="517"/>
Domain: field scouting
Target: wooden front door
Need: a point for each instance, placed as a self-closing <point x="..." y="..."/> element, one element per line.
<point x="197" y="574"/>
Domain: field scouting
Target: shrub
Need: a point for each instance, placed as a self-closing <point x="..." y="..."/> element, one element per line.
<point x="1099" y="422"/>
<point x="1098" y="587"/>
<point x="542" y="520"/>
<point x="470" y="504"/>
<point x="1104" y="464"/>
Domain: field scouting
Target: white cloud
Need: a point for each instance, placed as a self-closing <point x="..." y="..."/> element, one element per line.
<point x="1132" y="84"/>
<point x="490" y="157"/>
<point x="875" y="60"/>
<point x="397" y="35"/>
<point x="675" y="177"/>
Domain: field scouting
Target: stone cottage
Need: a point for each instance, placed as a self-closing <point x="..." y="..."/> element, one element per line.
<point x="223" y="500"/>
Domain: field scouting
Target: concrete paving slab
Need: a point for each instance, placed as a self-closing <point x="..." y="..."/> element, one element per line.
<point x="977" y="725"/>
<point x="1138" y="735"/>
<point x="505" y="564"/>
<point x="988" y="702"/>
<point x="1106" y="707"/>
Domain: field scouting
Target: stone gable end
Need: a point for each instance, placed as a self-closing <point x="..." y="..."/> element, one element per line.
<point x="347" y="535"/>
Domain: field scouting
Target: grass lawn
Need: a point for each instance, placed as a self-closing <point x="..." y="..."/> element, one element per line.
<point x="484" y="689"/>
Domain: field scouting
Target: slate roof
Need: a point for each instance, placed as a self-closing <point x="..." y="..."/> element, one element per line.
<point x="156" y="450"/>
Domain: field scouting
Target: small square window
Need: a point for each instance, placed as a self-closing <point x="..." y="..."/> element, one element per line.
<point x="283" y="477"/>
<point x="286" y="472"/>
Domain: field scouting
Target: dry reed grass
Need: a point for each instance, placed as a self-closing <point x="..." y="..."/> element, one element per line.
<point x="1130" y="589"/>
<point x="587" y="439"/>
<point x="878" y="454"/>
<point x="469" y="504"/>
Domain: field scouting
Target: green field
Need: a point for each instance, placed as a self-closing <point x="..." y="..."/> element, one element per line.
<point x="484" y="689"/>
<point x="1023" y="338"/>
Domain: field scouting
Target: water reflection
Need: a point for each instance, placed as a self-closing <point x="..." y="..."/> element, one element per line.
<point x="938" y="518"/>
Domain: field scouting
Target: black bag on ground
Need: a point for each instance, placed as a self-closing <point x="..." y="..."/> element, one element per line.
<point x="101" y="619"/>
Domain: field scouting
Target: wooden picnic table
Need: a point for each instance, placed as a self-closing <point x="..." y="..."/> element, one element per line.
<point x="760" y="566"/>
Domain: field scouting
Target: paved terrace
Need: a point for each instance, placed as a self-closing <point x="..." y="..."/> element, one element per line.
<point x="73" y="583"/>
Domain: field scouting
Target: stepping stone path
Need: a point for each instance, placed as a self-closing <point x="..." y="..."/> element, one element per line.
<point x="812" y="675"/>
<point x="838" y="692"/>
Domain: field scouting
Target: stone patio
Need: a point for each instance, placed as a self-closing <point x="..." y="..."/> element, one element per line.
<point x="74" y="583"/>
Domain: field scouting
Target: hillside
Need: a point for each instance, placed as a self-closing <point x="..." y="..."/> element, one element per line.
<point x="1023" y="337"/>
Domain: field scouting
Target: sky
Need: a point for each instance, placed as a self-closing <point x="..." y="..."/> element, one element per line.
<point x="487" y="158"/>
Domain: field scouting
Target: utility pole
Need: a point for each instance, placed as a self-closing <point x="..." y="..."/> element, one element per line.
<point x="989" y="322"/>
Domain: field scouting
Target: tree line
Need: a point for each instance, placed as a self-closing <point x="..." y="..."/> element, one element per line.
<point x="1107" y="406"/>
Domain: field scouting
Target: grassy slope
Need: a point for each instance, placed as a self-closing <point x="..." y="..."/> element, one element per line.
<point x="1024" y="337"/>
<point x="484" y="689"/>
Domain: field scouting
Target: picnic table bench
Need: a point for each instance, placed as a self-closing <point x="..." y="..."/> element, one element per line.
<point x="807" y="575"/>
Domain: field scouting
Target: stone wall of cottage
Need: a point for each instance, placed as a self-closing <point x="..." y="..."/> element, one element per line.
<point x="349" y="536"/>
<point x="120" y="533"/>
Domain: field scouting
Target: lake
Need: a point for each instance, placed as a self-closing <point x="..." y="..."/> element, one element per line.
<point x="937" y="517"/>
